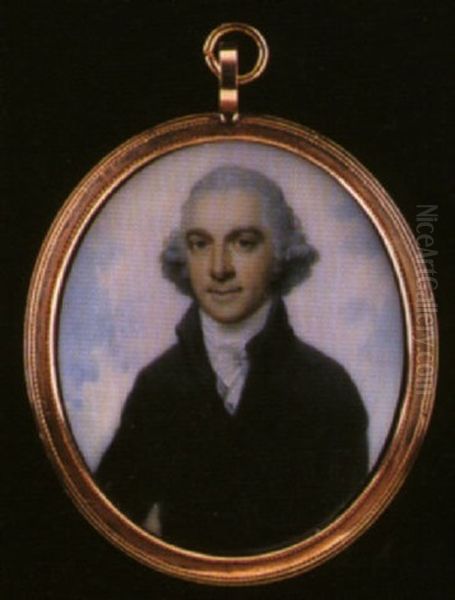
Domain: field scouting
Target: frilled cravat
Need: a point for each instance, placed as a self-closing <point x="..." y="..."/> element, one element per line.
<point x="225" y="344"/>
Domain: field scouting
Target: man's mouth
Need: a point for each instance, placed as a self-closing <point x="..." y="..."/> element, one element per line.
<point x="224" y="292"/>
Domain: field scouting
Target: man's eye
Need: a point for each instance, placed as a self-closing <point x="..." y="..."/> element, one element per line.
<point x="246" y="244"/>
<point x="197" y="244"/>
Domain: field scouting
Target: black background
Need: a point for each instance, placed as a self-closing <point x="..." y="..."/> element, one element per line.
<point x="83" y="76"/>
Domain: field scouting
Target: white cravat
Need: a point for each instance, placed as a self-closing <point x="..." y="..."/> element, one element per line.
<point x="225" y="344"/>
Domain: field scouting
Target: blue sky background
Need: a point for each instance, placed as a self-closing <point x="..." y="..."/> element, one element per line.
<point x="118" y="313"/>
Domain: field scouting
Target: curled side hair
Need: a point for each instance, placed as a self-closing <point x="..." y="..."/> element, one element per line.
<point x="293" y="255"/>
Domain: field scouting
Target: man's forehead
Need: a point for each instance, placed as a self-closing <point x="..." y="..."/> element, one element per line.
<point x="226" y="209"/>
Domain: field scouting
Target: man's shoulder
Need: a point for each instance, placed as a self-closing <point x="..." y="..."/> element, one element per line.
<point x="294" y="355"/>
<point x="315" y="358"/>
<point x="164" y="367"/>
<point x="155" y="386"/>
<point x="326" y="376"/>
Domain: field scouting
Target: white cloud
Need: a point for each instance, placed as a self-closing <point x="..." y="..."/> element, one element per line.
<point x="98" y="412"/>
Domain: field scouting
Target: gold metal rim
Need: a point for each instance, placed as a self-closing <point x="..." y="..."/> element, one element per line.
<point x="214" y="37"/>
<point x="46" y="289"/>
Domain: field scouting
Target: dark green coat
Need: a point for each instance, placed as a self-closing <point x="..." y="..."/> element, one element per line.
<point x="290" y="458"/>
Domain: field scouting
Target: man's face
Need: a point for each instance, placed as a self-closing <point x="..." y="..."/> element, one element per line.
<point x="229" y="253"/>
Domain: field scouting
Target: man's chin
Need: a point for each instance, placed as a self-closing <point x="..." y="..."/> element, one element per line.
<point x="225" y="317"/>
<point x="224" y="312"/>
<point x="228" y="313"/>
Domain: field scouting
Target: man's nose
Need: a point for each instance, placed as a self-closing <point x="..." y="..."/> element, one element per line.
<point x="221" y="265"/>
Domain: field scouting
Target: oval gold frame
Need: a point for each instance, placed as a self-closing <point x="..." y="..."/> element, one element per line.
<point x="420" y="338"/>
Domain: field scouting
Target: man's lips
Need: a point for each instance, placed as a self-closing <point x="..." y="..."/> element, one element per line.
<point x="223" y="292"/>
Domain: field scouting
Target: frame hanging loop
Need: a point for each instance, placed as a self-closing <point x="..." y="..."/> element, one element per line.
<point x="225" y="66"/>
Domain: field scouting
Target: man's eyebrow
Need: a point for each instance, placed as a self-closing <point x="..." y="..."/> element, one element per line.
<point x="246" y="230"/>
<point x="196" y="231"/>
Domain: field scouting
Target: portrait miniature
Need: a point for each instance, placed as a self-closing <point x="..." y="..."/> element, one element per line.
<point x="240" y="436"/>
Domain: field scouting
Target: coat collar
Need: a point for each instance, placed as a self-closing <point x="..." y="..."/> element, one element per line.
<point x="276" y="333"/>
<point x="266" y="352"/>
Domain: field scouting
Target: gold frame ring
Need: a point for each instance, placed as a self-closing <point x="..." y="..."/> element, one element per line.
<point x="214" y="37"/>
